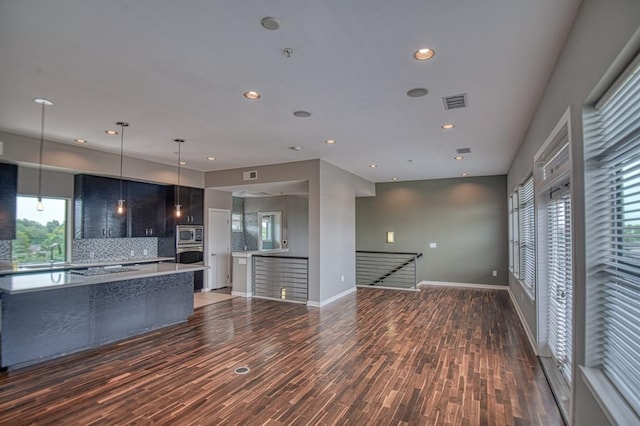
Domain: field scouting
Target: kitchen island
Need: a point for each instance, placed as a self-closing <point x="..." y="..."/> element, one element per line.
<point x="49" y="314"/>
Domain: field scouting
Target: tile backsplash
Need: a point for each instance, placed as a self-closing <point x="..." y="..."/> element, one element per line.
<point x="5" y="250"/>
<point x="113" y="249"/>
<point x="251" y="229"/>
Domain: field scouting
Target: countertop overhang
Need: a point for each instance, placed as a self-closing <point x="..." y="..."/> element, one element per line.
<point x="55" y="279"/>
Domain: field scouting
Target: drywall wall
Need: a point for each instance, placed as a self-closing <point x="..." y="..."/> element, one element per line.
<point x="465" y="217"/>
<point x="603" y="39"/>
<point x="24" y="150"/>
<point x="295" y="219"/>
<point x="321" y="287"/>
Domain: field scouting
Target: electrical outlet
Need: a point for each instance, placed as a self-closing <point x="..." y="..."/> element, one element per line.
<point x="433" y="245"/>
<point x="495" y="273"/>
<point x="145" y="252"/>
<point x="132" y="253"/>
<point x="92" y="255"/>
<point x="343" y="278"/>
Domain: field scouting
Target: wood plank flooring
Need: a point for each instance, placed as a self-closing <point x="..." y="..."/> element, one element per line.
<point x="442" y="356"/>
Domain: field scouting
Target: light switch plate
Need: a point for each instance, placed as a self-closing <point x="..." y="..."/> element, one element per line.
<point x="433" y="245"/>
<point x="242" y="261"/>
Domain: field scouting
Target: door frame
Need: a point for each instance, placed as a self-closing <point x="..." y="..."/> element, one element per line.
<point x="209" y="228"/>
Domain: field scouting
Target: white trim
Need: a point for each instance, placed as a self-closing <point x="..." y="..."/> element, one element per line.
<point x="241" y="294"/>
<point x="331" y="299"/>
<point x="465" y="285"/>
<point x="606" y="395"/>
<point x="387" y="288"/>
<point x="527" y="330"/>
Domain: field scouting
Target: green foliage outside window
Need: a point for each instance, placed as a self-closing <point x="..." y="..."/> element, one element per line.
<point x="34" y="241"/>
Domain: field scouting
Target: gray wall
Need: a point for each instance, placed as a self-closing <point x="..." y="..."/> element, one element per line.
<point x="295" y="219"/>
<point x="465" y="217"/>
<point x="603" y="39"/>
<point x="321" y="220"/>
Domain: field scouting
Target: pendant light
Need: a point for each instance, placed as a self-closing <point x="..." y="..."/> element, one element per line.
<point x="178" y="205"/>
<point x="120" y="209"/>
<point x="44" y="103"/>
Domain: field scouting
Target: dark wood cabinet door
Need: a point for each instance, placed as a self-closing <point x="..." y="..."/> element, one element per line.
<point x="196" y="205"/>
<point x="116" y="223"/>
<point x="90" y="207"/>
<point x="8" y="192"/>
<point x="147" y="204"/>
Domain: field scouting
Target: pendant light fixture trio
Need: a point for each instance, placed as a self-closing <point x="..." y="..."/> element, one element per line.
<point x="178" y="205"/>
<point x="120" y="209"/>
<point x="44" y="103"/>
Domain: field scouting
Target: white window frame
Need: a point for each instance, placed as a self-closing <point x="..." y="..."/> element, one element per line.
<point x="611" y="143"/>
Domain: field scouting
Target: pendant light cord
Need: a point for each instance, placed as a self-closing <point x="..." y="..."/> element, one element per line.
<point x="179" y="159"/>
<point x="41" y="150"/>
<point x="121" y="154"/>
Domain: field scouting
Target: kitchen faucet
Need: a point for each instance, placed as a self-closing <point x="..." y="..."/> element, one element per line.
<point x="54" y="245"/>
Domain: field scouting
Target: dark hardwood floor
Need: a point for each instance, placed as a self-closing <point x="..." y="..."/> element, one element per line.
<point x="442" y="356"/>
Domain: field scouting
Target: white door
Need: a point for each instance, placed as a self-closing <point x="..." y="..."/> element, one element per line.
<point x="218" y="248"/>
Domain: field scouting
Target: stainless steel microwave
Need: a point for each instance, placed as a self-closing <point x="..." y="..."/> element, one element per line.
<point x="189" y="235"/>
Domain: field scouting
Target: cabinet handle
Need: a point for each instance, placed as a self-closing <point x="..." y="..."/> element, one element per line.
<point x="151" y="231"/>
<point x="109" y="232"/>
<point x="104" y="232"/>
<point x="146" y="232"/>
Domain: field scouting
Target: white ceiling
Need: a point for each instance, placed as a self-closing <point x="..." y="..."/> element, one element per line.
<point x="178" y="69"/>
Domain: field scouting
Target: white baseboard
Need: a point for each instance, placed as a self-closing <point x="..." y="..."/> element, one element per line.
<point x="331" y="299"/>
<point x="465" y="285"/>
<point x="387" y="288"/>
<point x="240" y="293"/>
<point x="527" y="331"/>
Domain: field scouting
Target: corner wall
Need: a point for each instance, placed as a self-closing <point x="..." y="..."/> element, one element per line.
<point x="465" y="217"/>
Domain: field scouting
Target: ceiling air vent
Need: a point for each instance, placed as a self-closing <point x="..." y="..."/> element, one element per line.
<point x="252" y="175"/>
<point x="463" y="150"/>
<point x="455" y="101"/>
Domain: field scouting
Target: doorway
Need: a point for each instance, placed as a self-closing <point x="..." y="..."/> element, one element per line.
<point x="218" y="248"/>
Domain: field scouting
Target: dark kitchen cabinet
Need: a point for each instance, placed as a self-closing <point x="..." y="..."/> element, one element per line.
<point x="96" y="199"/>
<point x="147" y="211"/>
<point x="192" y="201"/>
<point x="8" y="192"/>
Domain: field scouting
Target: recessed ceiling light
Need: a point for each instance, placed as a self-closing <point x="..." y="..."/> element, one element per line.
<point x="43" y="101"/>
<point x="80" y="140"/>
<point x="269" y="23"/>
<point x="252" y="94"/>
<point x="183" y="163"/>
<point x="302" y="114"/>
<point x="458" y="157"/>
<point x="295" y="148"/>
<point x="465" y="174"/>
<point x="330" y="141"/>
<point x="373" y="166"/>
<point x="448" y="126"/>
<point x="394" y="178"/>
<point x="111" y="132"/>
<point x="211" y="158"/>
<point x="417" y="92"/>
<point x="424" y="54"/>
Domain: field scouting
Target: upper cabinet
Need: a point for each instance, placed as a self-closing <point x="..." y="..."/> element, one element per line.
<point x="96" y="199"/>
<point x="147" y="211"/>
<point x="8" y="193"/>
<point x="192" y="202"/>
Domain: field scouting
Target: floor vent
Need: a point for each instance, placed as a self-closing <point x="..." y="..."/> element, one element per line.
<point x="455" y="101"/>
<point x="463" y="150"/>
<point x="241" y="370"/>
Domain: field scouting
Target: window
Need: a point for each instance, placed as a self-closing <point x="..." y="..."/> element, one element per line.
<point x="236" y="222"/>
<point x="527" y="237"/>
<point x="612" y="153"/>
<point x="554" y="261"/>
<point x="40" y="236"/>
<point x="514" y="242"/>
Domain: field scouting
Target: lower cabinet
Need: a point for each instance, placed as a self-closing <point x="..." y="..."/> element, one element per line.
<point x="8" y="193"/>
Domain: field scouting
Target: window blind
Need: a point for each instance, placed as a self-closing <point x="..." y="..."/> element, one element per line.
<point x="612" y="151"/>
<point x="559" y="281"/>
<point x="527" y="236"/>
<point x="515" y="232"/>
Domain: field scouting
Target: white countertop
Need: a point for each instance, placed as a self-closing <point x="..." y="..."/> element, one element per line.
<point x="63" y="266"/>
<point x="250" y="253"/>
<point x="25" y="283"/>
